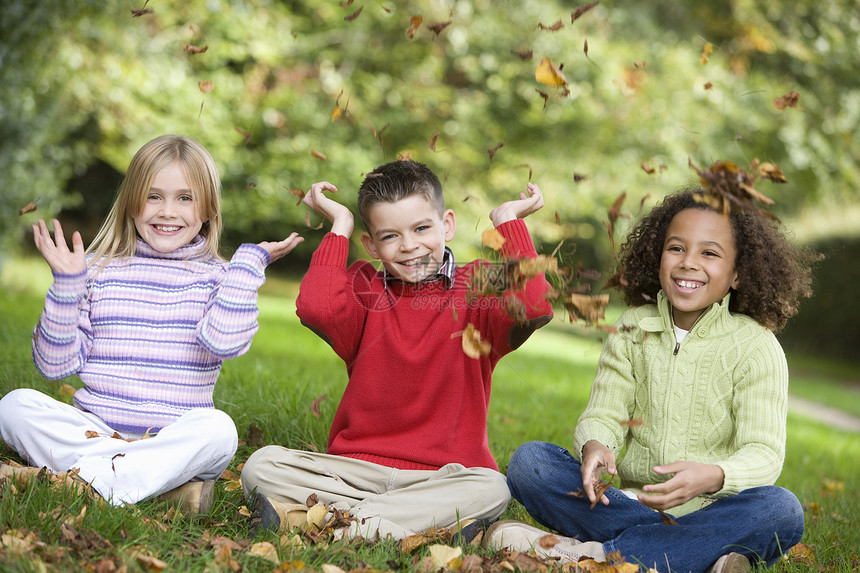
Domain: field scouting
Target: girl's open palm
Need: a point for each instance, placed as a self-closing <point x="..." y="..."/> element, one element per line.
<point x="56" y="251"/>
<point x="279" y="249"/>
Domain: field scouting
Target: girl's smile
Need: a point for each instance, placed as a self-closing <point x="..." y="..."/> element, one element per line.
<point x="169" y="218"/>
<point x="697" y="267"/>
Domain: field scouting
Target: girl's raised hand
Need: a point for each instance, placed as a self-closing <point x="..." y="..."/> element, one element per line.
<point x="279" y="249"/>
<point x="518" y="208"/>
<point x="56" y="251"/>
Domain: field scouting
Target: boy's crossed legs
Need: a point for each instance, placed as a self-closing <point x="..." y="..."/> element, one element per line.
<point x="386" y="501"/>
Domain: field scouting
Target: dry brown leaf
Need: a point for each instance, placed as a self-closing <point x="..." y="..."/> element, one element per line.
<point x="205" y="86"/>
<point x="414" y="24"/>
<point x="493" y="238"/>
<point x="552" y="27"/>
<point x="354" y="15"/>
<point x="788" y="100"/>
<point x="318" y="154"/>
<point x="443" y="555"/>
<point x="298" y="194"/>
<point x="589" y="308"/>
<point x="315" y="406"/>
<point x="29" y="207"/>
<point x="473" y="345"/>
<point x="707" y="50"/>
<point x="195" y="49"/>
<point x="647" y="169"/>
<point x="523" y="55"/>
<point x="432" y="144"/>
<point x="772" y="172"/>
<point x="492" y="152"/>
<point x="142" y="11"/>
<point x="580" y="10"/>
<point x="708" y="85"/>
<point x="438" y="27"/>
<point x="266" y="550"/>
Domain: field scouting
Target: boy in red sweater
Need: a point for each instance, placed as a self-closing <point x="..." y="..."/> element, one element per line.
<point x="408" y="447"/>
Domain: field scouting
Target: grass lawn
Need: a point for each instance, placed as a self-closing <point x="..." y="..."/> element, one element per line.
<point x="539" y="391"/>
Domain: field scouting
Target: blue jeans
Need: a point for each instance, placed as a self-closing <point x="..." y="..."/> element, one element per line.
<point x="761" y="523"/>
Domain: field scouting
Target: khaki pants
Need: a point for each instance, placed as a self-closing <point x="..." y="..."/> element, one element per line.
<point x="387" y="501"/>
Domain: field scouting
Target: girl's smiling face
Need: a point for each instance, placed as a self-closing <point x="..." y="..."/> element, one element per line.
<point x="697" y="267"/>
<point x="169" y="218"/>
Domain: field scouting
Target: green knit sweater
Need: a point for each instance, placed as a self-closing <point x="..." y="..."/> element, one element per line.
<point x="719" y="399"/>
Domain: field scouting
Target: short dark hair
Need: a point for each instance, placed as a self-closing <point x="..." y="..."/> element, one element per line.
<point x="397" y="180"/>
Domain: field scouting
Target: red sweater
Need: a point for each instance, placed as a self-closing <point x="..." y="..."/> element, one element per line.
<point x="414" y="400"/>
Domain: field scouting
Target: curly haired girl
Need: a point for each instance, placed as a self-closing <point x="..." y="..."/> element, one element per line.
<point x="694" y="384"/>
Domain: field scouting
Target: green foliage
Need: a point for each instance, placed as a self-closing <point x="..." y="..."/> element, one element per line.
<point x="86" y="82"/>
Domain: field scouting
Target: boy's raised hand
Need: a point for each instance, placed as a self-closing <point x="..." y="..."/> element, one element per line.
<point x="278" y="249"/>
<point x="518" y="208"/>
<point x="56" y="251"/>
<point x="342" y="222"/>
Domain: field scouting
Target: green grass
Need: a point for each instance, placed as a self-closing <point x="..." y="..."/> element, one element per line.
<point x="539" y="391"/>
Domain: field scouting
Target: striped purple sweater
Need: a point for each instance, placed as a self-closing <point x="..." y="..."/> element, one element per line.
<point x="147" y="334"/>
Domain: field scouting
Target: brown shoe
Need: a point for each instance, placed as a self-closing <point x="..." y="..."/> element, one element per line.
<point x="193" y="497"/>
<point x="731" y="563"/>
<point x="276" y="515"/>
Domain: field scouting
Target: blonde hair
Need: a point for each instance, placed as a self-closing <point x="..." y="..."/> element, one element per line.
<point x="117" y="236"/>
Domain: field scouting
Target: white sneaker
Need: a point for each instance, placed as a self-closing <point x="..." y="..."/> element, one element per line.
<point x="516" y="535"/>
<point x="731" y="563"/>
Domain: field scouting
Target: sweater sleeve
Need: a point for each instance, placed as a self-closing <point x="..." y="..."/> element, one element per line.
<point x="327" y="301"/>
<point x="759" y="409"/>
<point x="230" y="322"/>
<point x="532" y="297"/>
<point x="63" y="337"/>
<point x="611" y="401"/>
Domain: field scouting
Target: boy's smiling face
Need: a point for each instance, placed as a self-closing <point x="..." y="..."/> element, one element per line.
<point x="408" y="236"/>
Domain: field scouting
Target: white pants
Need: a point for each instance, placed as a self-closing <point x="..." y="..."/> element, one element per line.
<point x="46" y="432"/>
<point x="387" y="501"/>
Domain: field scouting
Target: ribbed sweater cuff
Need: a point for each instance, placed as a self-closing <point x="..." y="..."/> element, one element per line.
<point x="252" y="254"/>
<point x="69" y="288"/>
<point x="518" y="242"/>
<point x="332" y="252"/>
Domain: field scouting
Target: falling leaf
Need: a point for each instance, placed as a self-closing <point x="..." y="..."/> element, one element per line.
<point x="318" y="154"/>
<point x="647" y="169"/>
<point x="29" y="207"/>
<point x="115" y="456"/>
<point x="728" y="187"/>
<point x="336" y="113"/>
<point x="256" y="436"/>
<point x="195" y="49"/>
<point x="545" y="97"/>
<point x="432" y="144"/>
<point x="354" y="15"/>
<point x="405" y="156"/>
<point x="706" y="51"/>
<point x="772" y="172"/>
<point x="66" y="392"/>
<point x="438" y="27"/>
<point x="708" y="86"/>
<point x="473" y="345"/>
<point x="299" y="193"/>
<point x="580" y="10"/>
<point x="552" y="27"/>
<point x="579" y="177"/>
<point x="347" y="3"/>
<point x="788" y="100"/>
<point x="380" y="132"/>
<point x="493" y="238"/>
<point x="547" y="74"/>
<point x="516" y="309"/>
<point x="557" y="219"/>
<point x="640" y="65"/>
<point x="585" y="47"/>
<point x="414" y="23"/>
<point x="205" y="86"/>
<point x="308" y="222"/>
<point x="589" y="308"/>
<point x="529" y="168"/>
<point x="315" y="406"/>
<point x="524" y="55"/>
<point x="492" y="152"/>
<point x="530" y="267"/>
<point x="141" y="11"/>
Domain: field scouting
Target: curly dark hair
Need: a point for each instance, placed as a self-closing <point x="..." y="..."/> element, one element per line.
<point x="773" y="273"/>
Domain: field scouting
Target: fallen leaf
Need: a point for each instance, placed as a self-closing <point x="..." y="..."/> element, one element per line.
<point x="667" y="519"/>
<point x="473" y="345"/>
<point x="195" y="49"/>
<point x="205" y="86"/>
<point x="580" y="10"/>
<point x="414" y="23"/>
<point x="493" y="238"/>
<point x="329" y="568"/>
<point x="548" y="74"/>
<point x="265" y="550"/>
<point x="442" y="555"/>
<point x="788" y="100"/>
<point x="91" y="434"/>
